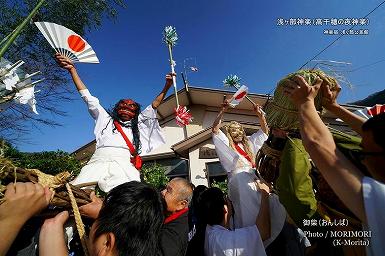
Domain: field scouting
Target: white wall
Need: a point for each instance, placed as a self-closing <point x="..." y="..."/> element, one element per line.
<point x="198" y="166"/>
<point x="173" y="134"/>
<point x="204" y="118"/>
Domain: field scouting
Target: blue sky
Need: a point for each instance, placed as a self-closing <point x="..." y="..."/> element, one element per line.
<point x="222" y="36"/>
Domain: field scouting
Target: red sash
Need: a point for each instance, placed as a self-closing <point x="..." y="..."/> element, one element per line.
<point x="136" y="160"/>
<point x="244" y="154"/>
<point x="174" y="216"/>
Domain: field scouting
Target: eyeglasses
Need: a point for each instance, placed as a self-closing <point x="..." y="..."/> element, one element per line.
<point x="360" y="155"/>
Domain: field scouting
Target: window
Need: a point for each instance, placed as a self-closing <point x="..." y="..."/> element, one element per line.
<point x="175" y="167"/>
<point x="215" y="172"/>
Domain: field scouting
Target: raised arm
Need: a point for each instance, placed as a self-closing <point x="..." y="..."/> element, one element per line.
<point x="329" y="101"/>
<point x="263" y="218"/>
<point x="262" y="119"/>
<point x="342" y="176"/>
<point x="162" y="94"/>
<point x="67" y="64"/>
<point x="218" y="120"/>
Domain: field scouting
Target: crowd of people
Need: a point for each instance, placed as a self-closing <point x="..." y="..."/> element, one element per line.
<point x="247" y="219"/>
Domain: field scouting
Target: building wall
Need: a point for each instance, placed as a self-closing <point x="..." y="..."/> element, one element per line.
<point x="198" y="166"/>
<point x="198" y="112"/>
<point x="203" y="118"/>
<point x="172" y="133"/>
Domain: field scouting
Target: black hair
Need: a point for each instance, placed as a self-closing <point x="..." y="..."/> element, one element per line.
<point x="133" y="212"/>
<point x="195" y="213"/>
<point x="376" y="125"/>
<point x="134" y="124"/>
<point x="212" y="203"/>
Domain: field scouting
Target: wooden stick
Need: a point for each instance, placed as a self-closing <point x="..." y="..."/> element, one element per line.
<point x="173" y="77"/>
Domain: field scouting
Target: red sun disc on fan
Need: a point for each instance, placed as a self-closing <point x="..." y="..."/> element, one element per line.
<point x="241" y="95"/>
<point x="76" y="43"/>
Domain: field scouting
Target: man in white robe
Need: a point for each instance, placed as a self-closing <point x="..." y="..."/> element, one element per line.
<point x="111" y="163"/>
<point x="237" y="153"/>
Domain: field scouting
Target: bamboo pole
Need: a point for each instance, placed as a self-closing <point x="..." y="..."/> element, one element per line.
<point x="173" y="71"/>
<point x="18" y="30"/>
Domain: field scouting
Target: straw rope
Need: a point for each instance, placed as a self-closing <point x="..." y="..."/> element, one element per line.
<point x="78" y="220"/>
<point x="9" y="173"/>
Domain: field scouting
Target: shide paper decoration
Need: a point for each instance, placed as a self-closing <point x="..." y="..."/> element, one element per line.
<point x="16" y="85"/>
<point x="182" y="115"/>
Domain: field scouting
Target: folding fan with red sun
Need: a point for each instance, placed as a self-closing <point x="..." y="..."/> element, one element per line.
<point x="67" y="42"/>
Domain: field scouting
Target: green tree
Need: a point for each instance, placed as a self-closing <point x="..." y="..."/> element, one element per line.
<point x="222" y="185"/>
<point x="154" y="174"/>
<point x="31" y="47"/>
<point x="50" y="162"/>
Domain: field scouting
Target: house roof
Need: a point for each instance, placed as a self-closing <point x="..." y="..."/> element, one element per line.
<point x="210" y="97"/>
<point x="183" y="146"/>
<point x="205" y="96"/>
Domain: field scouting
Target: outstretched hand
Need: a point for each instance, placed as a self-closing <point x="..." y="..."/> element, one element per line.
<point x="258" y="110"/>
<point x="51" y="238"/>
<point x="225" y="104"/>
<point x="300" y="91"/>
<point x="169" y="79"/>
<point x="24" y="200"/>
<point x="21" y="202"/>
<point x="64" y="62"/>
<point x="329" y="98"/>
<point x="92" y="209"/>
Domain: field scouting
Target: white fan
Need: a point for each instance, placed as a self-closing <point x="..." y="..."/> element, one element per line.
<point x="67" y="42"/>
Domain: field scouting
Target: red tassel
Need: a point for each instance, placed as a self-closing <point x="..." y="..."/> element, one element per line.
<point x="182" y="116"/>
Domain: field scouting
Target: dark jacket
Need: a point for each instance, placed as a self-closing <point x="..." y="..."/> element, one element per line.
<point x="174" y="237"/>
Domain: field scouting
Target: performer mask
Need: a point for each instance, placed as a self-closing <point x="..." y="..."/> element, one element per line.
<point x="236" y="131"/>
<point x="127" y="109"/>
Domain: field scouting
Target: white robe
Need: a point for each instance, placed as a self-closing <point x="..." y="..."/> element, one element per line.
<point x="220" y="241"/>
<point x="374" y="200"/>
<point x="242" y="190"/>
<point x="110" y="165"/>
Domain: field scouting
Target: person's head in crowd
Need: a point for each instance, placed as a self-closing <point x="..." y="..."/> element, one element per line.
<point x="129" y="221"/>
<point x="196" y="213"/>
<point x="177" y="195"/>
<point x="373" y="145"/>
<point x="197" y="194"/>
<point x="217" y="207"/>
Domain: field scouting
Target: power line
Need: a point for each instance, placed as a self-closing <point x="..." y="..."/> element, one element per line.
<point x="324" y="49"/>
<point x="365" y="66"/>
